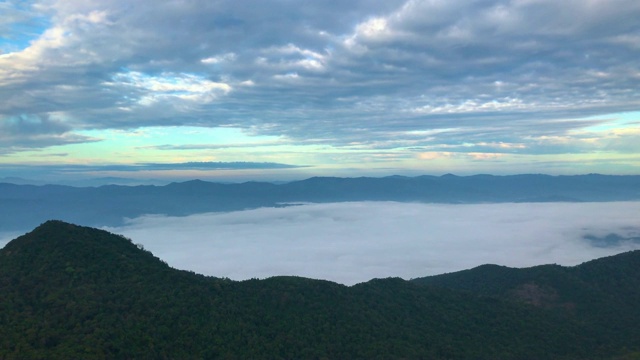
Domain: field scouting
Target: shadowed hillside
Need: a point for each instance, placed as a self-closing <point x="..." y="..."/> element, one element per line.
<point x="603" y="294"/>
<point x="77" y="292"/>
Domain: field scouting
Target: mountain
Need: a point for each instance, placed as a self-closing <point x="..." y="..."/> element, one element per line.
<point x="20" y="181"/>
<point x="604" y="293"/>
<point x="25" y="206"/>
<point x="75" y="292"/>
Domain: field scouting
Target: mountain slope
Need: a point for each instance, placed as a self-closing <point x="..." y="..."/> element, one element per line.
<point x="602" y="294"/>
<point x="76" y="292"/>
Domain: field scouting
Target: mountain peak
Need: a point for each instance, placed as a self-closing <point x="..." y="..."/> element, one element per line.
<point x="58" y="225"/>
<point x="57" y="233"/>
<point x="56" y="246"/>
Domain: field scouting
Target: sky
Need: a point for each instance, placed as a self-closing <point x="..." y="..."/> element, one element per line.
<point x="281" y="89"/>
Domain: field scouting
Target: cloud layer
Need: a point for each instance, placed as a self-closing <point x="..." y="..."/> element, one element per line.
<point x="428" y="77"/>
<point x="354" y="242"/>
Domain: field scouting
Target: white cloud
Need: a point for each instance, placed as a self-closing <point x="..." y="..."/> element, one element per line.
<point x="507" y="103"/>
<point x="354" y="242"/>
<point x="291" y="49"/>
<point x="219" y="59"/>
<point x="287" y="77"/>
<point x="167" y="86"/>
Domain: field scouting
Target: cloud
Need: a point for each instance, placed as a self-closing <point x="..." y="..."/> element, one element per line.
<point x="18" y="133"/>
<point x="204" y="166"/>
<point x="20" y="23"/>
<point x="212" y="146"/>
<point x="214" y="166"/>
<point x="170" y="87"/>
<point x="613" y="239"/>
<point x="354" y="242"/>
<point x="334" y="72"/>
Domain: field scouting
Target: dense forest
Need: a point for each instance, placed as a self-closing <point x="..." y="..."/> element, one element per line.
<point x="72" y="292"/>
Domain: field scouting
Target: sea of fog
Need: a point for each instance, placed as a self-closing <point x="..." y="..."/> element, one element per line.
<point x="355" y="242"/>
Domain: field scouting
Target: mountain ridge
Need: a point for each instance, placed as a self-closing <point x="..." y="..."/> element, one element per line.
<point x="76" y="292"/>
<point x="26" y="206"/>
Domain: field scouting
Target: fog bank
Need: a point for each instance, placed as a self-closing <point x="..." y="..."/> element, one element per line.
<point x="354" y="242"/>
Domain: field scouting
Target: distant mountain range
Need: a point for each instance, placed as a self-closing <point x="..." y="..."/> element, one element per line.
<point x="72" y="292"/>
<point x="86" y="182"/>
<point x="22" y="207"/>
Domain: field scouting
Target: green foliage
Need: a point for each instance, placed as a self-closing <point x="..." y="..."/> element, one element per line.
<point x="602" y="295"/>
<point x="75" y="292"/>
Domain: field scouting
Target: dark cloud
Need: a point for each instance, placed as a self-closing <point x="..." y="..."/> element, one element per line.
<point x="35" y="131"/>
<point x="335" y="72"/>
<point x="611" y="240"/>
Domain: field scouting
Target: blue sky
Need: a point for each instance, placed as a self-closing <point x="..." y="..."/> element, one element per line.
<point x="290" y="89"/>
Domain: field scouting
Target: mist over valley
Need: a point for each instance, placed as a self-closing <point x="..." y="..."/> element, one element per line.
<point x="350" y="230"/>
<point x="356" y="241"/>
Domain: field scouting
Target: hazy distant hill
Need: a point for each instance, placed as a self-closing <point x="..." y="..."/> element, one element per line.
<point x="73" y="292"/>
<point x="25" y="206"/>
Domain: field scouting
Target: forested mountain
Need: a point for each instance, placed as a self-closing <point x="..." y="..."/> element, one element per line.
<point x="25" y="206"/>
<point x="74" y="292"/>
<point x="604" y="293"/>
